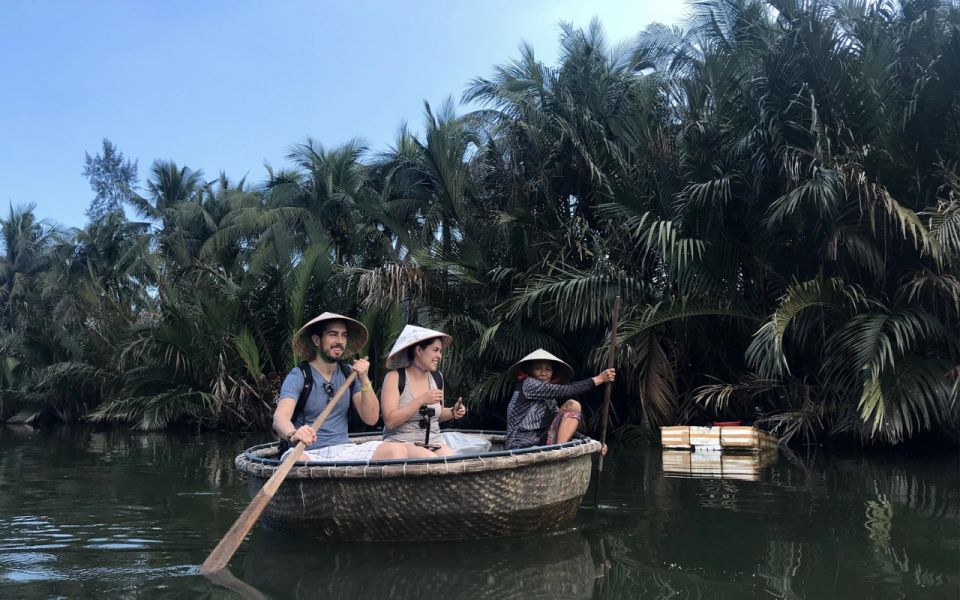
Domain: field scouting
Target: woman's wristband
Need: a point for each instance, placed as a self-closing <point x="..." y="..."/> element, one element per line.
<point x="366" y="387"/>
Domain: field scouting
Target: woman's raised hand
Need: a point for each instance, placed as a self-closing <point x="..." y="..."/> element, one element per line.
<point x="430" y="397"/>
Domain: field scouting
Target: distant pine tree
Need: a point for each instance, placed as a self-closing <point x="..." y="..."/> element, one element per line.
<point x="111" y="177"/>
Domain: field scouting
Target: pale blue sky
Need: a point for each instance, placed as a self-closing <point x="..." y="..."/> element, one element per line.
<point x="230" y="85"/>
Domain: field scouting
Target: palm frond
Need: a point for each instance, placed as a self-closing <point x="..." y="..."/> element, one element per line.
<point x="766" y="351"/>
<point x="159" y="410"/>
<point x="912" y="396"/>
<point x="570" y="298"/>
<point x="247" y="349"/>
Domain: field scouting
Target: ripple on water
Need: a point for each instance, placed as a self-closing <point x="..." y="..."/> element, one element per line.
<point x="22" y="547"/>
<point x="25" y="567"/>
<point x="18" y="576"/>
<point x="39" y="573"/>
<point x="26" y="533"/>
<point x="16" y="559"/>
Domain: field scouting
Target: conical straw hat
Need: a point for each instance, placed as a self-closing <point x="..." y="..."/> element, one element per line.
<point x="356" y="336"/>
<point x="562" y="372"/>
<point x="411" y="334"/>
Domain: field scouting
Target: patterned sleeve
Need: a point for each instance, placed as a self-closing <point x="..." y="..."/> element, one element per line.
<point x="535" y="389"/>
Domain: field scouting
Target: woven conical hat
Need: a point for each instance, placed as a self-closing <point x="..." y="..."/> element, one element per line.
<point x="411" y="335"/>
<point x="562" y="372"/>
<point x="356" y="336"/>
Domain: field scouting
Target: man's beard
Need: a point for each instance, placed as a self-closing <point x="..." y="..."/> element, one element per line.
<point x="331" y="359"/>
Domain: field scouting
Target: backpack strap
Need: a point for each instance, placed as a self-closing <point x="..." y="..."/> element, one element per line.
<point x="301" y="400"/>
<point x="402" y="379"/>
<point x="305" y="392"/>
<point x="345" y="370"/>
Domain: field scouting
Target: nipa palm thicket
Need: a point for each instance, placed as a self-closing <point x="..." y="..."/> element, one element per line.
<point x="773" y="189"/>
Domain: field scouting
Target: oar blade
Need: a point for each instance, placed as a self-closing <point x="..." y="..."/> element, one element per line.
<point x="225" y="550"/>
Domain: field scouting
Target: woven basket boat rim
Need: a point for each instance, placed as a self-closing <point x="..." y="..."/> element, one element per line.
<point x="559" y="451"/>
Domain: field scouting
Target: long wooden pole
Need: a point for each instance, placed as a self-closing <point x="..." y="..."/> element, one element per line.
<point x="611" y="359"/>
<point x="224" y="551"/>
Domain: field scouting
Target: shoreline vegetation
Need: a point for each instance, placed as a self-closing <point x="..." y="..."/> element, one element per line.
<point x="773" y="189"/>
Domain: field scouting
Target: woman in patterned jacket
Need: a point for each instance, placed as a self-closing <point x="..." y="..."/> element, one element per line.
<point x="534" y="417"/>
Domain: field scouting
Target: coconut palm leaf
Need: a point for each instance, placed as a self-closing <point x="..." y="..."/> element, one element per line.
<point x="158" y="410"/>
<point x="766" y="351"/>
<point x="572" y="298"/>
<point x="247" y="349"/>
<point x="655" y="382"/>
<point x="910" y="396"/>
<point x="649" y="317"/>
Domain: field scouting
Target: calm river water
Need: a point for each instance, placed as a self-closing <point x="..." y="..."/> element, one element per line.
<point x="115" y="514"/>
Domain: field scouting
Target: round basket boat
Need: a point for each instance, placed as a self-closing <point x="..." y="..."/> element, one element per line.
<point x="493" y="494"/>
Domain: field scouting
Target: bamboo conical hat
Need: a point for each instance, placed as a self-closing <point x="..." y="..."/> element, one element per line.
<point x="412" y="334"/>
<point x="562" y="372"/>
<point x="356" y="336"/>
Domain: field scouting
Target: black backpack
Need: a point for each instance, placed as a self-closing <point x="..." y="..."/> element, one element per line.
<point x="305" y="393"/>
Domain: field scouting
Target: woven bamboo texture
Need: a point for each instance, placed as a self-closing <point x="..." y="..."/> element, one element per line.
<point x="455" y="498"/>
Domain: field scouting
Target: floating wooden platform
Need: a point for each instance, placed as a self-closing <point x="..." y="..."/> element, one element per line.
<point x="684" y="437"/>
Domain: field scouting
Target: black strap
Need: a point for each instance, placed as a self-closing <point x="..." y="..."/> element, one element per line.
<point x="402" y="383"/>
<point x="305" y="392"/>
<point x="301" y="401"/>
<point x="345" y="370"/>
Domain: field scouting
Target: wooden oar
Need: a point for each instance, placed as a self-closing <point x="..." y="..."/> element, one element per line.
<point x="224" y="551"/>
<point x="611" y="356"/>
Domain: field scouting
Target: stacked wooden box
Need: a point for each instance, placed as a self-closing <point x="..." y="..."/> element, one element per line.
<point x="721" y="438"/>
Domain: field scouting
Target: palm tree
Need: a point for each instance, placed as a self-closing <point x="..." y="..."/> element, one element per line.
<point x="25" y="241"/>
<point x="772" y="188"/>
<point x="817" y="128"/>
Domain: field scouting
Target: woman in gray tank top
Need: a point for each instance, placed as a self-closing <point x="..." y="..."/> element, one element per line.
<point x="417" y="352"/>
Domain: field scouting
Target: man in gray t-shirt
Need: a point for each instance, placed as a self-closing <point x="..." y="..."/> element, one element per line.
<point x="323" y="343"/>
<point x="334" y="428"/>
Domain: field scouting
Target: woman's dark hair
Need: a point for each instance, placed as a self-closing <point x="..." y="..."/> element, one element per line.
<point x="411" y="352"/>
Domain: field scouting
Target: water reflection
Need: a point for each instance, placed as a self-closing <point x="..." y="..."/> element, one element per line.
<point x="88" y="513"/>
<point x="835" y="528"/>
<point x="748" y="466"/>
<point x="549" y="566"/>
<point x="225" y="579"/>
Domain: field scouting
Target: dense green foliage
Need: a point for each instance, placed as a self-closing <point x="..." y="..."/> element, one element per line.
<point x="772" y="189"/>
